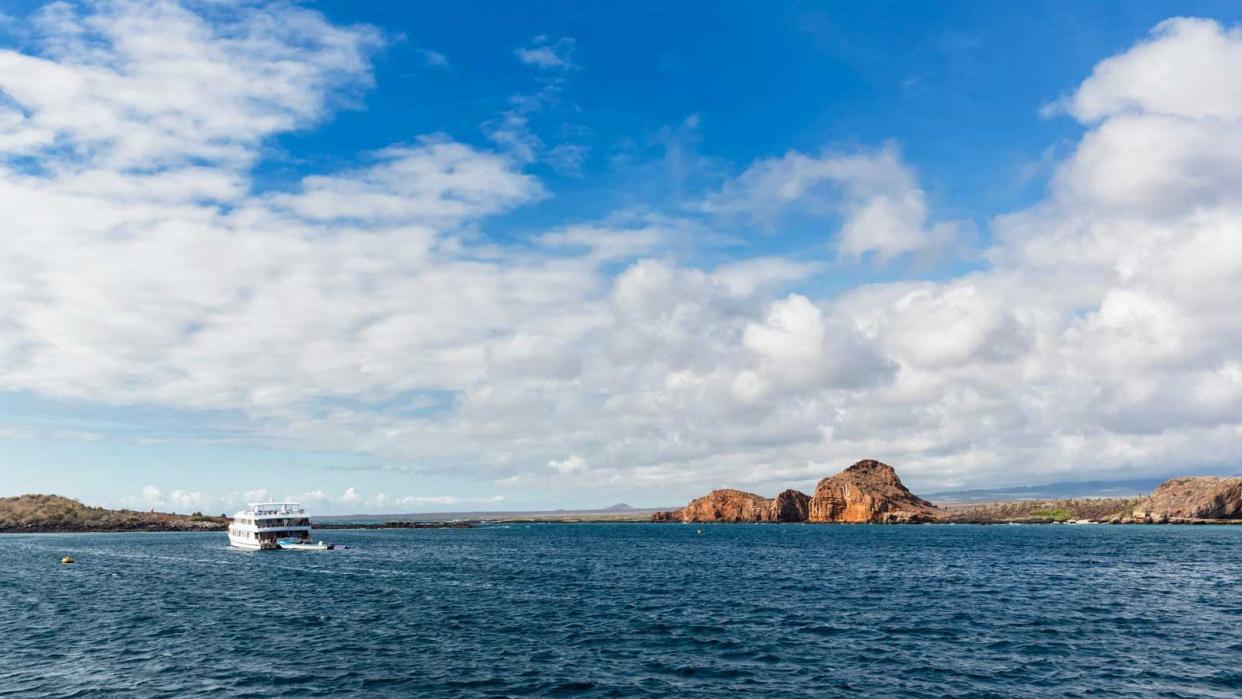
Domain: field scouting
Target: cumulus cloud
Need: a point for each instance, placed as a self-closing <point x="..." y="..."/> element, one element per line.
<point x="572" y="464"/>
<point x="141" y="84"/>
<point x="798" y="346"/>
<point x="1185" y="68"/>
<point x="317" y="501"/>
<point x="884" y="211"/>
<point x="139" y="266"/>
<point x="435" y="181"/>
<point x="173" y="501"/>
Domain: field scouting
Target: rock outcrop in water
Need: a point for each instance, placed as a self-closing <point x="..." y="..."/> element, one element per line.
<point x="1195" y="498"/>
<point x="790" y="506"/>
<point x="728" y="505"/>
<point x="868" y="491"/>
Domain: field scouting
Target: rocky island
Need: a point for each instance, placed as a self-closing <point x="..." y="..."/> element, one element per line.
<point x="870" y="492"/>
<point x="54" y="513"/>
<point x="867" y="492"/>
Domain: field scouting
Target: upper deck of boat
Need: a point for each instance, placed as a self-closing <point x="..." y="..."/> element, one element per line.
<point x="261" y="510"/>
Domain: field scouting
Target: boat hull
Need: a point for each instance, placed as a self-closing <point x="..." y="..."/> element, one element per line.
<point x="253" y="545"/>
<point x="320" y="546"/>
<point x="248" y="544"/>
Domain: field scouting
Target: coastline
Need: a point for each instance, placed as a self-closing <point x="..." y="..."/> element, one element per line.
<point x="471" y="524"/>
<point x="54" y="514"/>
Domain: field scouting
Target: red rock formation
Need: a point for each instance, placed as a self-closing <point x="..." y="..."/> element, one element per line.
<point x="1200" y="497"/>
<point x="790" y="506"/>
<point x="868" y="491"/>
<point x="728" y="506"/>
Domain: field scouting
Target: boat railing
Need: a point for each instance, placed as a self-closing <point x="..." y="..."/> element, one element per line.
<point x="278" y="510"/>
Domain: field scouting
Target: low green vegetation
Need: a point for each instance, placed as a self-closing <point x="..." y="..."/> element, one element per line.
<point x="1056" y="514"/>
<point x="1044" y="510"/>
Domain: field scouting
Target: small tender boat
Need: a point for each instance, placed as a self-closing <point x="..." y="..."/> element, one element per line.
<point x="271" y="526"/>
<point x="304" y="545"/>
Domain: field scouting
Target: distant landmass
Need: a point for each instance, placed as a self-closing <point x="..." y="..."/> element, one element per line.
<point x="55" y="513"/>
<point x="868" y="491"/>
<point x="1063" y="489"/>
<point x="619" y="512"/>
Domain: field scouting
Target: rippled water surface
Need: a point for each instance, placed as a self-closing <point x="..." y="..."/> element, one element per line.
<point x="631" y="610"/>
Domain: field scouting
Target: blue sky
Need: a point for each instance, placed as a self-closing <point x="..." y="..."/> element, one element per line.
<point x="958" y="85"/>
<point x="429" y="256"/>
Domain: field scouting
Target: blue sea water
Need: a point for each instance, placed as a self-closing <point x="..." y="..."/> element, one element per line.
<point x="616" y="610"/>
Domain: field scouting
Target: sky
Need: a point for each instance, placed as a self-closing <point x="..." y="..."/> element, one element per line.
<point x="409" y="256"/>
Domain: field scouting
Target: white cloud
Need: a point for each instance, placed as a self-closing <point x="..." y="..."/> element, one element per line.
<point x="317" y="501"/>
<point x="883" y="209"/>
<point x="799" y="347"/>
<point x="312" y="499"/>
<point x="423" y="501"/>
<point x="433" y="59"/>
<point x="548" y="55"/>
<point x="257" y="495"/>
<point x="1102" y="337"/>
<point x="137" y="85"/>
<point x="621" y="239"/>
<point x="177" y="500"/>
<point x="435" y="182"/>
<point x="517" y="130"/>
<point x="571" y="465"/>
<point x="1185" y="69"/>
<point x="757" y="274"/>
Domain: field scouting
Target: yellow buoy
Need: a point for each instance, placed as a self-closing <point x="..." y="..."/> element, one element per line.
<point x="67" y="560"/>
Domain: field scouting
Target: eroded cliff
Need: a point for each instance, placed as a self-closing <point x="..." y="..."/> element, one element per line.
<point x="1194" y="498"/>
<point x="868" y="491"/>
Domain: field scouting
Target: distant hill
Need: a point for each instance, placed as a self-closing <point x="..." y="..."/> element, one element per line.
<point x="55" y="513"/>
<point x="1064" y="489"/>
<point x="620" y="512"/>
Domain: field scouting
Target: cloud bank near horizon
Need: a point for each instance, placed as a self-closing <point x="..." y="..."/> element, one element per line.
<point x="369" y="308"/>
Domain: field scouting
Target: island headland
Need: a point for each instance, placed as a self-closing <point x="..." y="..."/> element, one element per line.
<point x="868" y="491"/>
<point x="871" y="492"/>
<point x="55" y="513"/>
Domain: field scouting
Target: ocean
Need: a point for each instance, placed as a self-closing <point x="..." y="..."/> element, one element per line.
<point x="621" y="610"/>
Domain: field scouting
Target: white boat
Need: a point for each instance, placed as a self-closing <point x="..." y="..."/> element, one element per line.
<point x="265" y="526"/>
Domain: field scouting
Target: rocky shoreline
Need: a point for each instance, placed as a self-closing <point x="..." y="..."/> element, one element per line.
<point x="870" y="492"/>
<point x="54" y="514"/>
<point x="74" y="528"/>
<point x="867" y="492"/>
